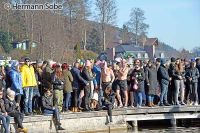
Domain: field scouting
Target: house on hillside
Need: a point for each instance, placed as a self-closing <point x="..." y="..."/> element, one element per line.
<point x="135" y="51"/>
<point x="146" y="50"/>
<point x="24" y="45"/>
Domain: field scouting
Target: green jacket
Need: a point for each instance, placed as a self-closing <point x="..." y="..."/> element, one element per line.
<point x="68" y="79"/>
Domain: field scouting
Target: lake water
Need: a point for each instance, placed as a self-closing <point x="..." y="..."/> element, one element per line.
<point x="154" y="130"/>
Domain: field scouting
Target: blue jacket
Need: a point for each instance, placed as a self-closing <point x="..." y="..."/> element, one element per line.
<point x="78" y="80"/>
<point x="16" y="79"/>
<point x="97" y="70"/>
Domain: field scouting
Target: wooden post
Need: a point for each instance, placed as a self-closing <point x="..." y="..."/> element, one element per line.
<point x="135" y="123"/>
<point x="173" y="122"/>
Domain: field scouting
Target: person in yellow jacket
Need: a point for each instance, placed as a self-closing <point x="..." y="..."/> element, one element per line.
<point x="28" y="83"/>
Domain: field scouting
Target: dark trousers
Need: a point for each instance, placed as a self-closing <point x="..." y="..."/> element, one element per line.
<point x="187" y="92"/>
<point x="36" y="100"/>
<point x="87" y="97"/>
<point x="194" y="92"/>
<point x="5" y="121"/>
<point x="109" y="107"/>
<point x="170" y="95"/>
<point x="75" y="97"/>
<point x="55" y="113"/>
<point x="18" y="117"/>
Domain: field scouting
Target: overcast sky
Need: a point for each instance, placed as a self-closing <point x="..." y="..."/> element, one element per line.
<point x="175" y="22"/>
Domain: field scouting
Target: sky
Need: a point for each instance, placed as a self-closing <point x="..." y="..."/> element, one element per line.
<point x="175" y="22"/>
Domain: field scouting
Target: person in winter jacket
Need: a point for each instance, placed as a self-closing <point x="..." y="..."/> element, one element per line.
<point x="13" y="110"/>
<point x="137" y="83"/>
<point x="192" y="76"/>
<point x="151" y="81"/>
<point x="28" y="83"/>
<point x="16" y="79"/>
<point x="198" y="67"/>
<point x="57" y="80"/>
<point x="89" y="77"/>
<point x="108" y="102"/>
<point x="49" y="107"/>
<point x="78" y="82"/>
<point x="179" y="77"/>
<point x="4" y="117"/>
<point x="68" y="79"/>
<point x="163" y="79"/>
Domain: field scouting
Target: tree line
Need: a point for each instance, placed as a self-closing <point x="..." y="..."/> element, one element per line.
<point x="78" y="25"/>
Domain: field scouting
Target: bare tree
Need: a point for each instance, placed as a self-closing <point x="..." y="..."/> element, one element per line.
<point x="106" y="14"/>
<point x="136" y="23"/>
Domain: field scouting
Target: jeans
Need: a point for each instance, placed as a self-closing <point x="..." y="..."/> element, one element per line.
<point x="18" y="117"/>
<point x="138" y="98"/>
<point x="5" y="121"/>
<point x="179" y="85"/>
<point x="163" y="95"/>
<point x="66" y="101"/>
<point x="28" y="93"/>
<point x="143" y="98"/>
<point x="55" y="113"/>
<point x="194" y="93"/>
<point x="150" y="98"/>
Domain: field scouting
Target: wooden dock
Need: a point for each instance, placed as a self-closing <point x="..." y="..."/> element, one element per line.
<point x="96" y="120"/>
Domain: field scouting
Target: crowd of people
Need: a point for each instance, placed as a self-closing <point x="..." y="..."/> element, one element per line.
<point x="47" y="87"/>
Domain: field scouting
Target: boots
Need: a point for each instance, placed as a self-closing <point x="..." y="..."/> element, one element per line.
<point x="75" y="109"/>
<point x="60" y="128"/>
<point x="24" y="130"/>
<point x="150" y="104"/>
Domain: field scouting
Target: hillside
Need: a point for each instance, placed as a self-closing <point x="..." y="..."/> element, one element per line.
<point x="169" y="51"/>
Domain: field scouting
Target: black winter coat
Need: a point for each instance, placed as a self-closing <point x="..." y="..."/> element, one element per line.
<point x="151" y="80"/>
<point x="192" y="73"/>
<point x="47" y="102"/>
<point x="163" y="76"/>
<point x="10" y="106"/>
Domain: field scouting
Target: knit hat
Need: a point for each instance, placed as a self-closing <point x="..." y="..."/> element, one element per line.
<point x="10" y="94"/>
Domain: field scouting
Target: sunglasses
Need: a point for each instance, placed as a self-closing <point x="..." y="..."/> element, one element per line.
<point x="27" y="61"/>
